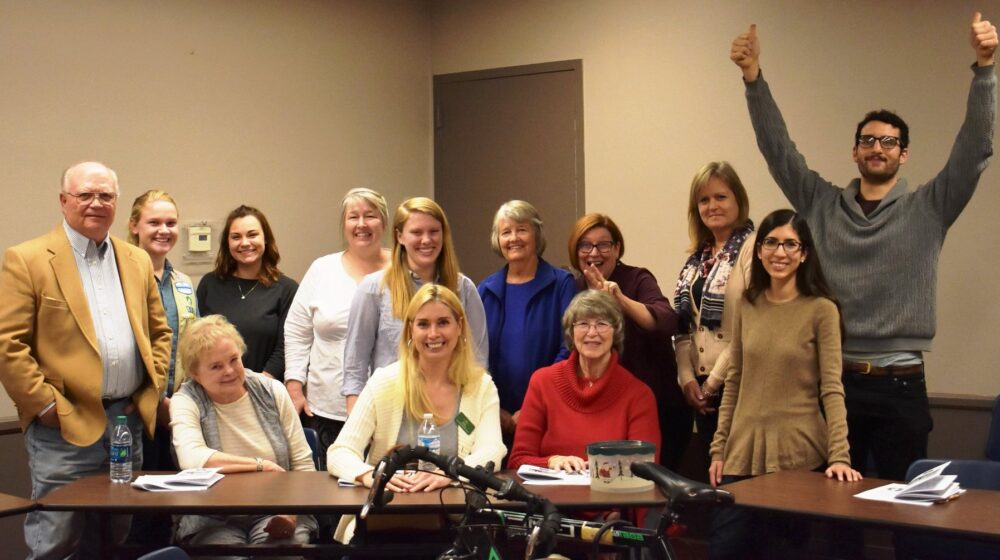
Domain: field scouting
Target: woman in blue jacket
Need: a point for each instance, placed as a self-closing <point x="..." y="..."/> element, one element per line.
<point x="524" y="304"/>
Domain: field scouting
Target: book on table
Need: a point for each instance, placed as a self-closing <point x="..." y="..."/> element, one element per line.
<point x="927" y="488"/>
<point x="187" y="480"/>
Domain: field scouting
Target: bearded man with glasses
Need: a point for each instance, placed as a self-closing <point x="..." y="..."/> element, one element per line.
<point x="880" y="244"/>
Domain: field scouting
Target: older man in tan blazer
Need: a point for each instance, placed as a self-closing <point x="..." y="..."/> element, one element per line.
<point x="83" y="338"/>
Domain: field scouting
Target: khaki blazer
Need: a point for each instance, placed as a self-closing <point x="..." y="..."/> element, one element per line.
<point x="48" y="344"/>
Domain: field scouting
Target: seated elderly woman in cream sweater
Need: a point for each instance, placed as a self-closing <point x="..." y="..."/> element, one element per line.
<point x="243" y="422"/>
<point x="437" y="373"/>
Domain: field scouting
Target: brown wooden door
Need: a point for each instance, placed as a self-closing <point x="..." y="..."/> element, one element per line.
<point x="509" y="133"/>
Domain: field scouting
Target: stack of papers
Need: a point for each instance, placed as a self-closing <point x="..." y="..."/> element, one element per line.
<point x="552" y="477"/>
<point x="928" y="488"/>
<point x="184" y="481"/>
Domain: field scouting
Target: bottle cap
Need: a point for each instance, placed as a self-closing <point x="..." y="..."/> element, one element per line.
<point x="121" y="419"/>
<point x="428" y="416"/>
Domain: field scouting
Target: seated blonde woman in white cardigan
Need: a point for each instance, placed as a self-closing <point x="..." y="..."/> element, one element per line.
<point x="437" y="372"/>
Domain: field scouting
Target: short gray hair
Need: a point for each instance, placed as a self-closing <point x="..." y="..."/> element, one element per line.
<point x="520" y="212"/>
<point x="594" y="304"/>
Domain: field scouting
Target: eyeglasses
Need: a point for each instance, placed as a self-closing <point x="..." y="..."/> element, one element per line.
<point x="583" y="327"/>
<point x="887" y="142"/>
<point x="88" y="197"/>
<point x="585" y="247"/>
<point x="771" y="245"/>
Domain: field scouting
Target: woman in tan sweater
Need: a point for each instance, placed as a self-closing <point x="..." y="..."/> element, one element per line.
<point x="783" y="404"/>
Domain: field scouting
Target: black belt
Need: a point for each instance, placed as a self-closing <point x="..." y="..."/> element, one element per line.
<point x="866" y="368"/>
<point x="108" y="403"/>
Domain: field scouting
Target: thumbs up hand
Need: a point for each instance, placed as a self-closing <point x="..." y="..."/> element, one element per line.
<point x="745" y="53"/>
<point x="983" y="37"/>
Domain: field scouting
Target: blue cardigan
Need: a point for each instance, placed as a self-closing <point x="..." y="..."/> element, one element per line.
<point x="542" y="343"/>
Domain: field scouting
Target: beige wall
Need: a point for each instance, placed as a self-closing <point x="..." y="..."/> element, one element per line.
<point x="283" y="105"/>
<point x="288" y="104"/>
<point x="661" y="98"/>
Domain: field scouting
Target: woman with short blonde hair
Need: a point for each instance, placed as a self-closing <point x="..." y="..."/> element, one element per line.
<point x="316" y="327"/>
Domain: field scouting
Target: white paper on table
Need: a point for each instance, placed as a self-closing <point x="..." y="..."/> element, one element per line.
<point x="541" y="476"/>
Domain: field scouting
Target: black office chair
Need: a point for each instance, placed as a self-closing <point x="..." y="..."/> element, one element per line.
<point x="313" y="438"/>
<point x="169" y="553"/>
<point x="993" y="440"/>
<point x="984" y="475"/>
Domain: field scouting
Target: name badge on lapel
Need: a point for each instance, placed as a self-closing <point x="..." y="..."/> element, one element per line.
<point x="463" y="422"/>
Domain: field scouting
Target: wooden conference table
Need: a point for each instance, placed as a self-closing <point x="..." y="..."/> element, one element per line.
<point x="974" y="515"/>
<point x="12" y="505"/>
<point x="295" y="492"/>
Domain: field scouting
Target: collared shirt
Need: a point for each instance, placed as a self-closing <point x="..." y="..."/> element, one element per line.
<point x="166" y="285"/>
<point x="102" y="286"/>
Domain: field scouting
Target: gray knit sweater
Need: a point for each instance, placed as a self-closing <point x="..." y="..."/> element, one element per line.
<point x="883" y="267"/>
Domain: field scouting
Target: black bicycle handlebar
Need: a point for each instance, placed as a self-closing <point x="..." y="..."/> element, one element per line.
<point x="481" y="477"/>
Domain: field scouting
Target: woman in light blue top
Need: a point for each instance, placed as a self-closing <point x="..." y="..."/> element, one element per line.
<point x="422" y="252"/>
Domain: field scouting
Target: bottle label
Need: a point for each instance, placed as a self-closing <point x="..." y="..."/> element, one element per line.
<point x="430" y="442"/>
<point x="121" y="454"/>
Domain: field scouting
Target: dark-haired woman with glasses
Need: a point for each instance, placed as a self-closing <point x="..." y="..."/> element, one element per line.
<point x="595" y="248"/>
<point x="783" y="404"/>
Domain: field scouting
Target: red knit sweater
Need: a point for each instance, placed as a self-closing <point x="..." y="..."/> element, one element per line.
<point x="561" y="415"/>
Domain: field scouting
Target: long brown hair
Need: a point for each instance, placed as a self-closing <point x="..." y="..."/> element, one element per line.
<point x="225" y="264"/>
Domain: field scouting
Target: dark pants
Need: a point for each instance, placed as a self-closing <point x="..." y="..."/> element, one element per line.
<point x="327" y="431"/>
<point x="675" y="433"/>
<point x="889" y="418"/>
<point x="708" y="423"/>
<point x="738" y="532"/>
<point x="154" y="529"/>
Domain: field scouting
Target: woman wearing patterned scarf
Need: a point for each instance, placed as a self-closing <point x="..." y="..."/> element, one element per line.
<point x="709" y="287"/>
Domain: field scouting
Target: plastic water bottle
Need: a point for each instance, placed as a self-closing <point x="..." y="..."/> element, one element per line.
<point x="429" y="437"/>
<point x="121" y="451"/>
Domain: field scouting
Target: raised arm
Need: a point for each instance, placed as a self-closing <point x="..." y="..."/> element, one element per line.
<point x="801" y="185"/>
<point x="953" y="187"/>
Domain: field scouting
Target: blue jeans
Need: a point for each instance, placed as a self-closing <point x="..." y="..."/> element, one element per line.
<point x="54" y="462"/>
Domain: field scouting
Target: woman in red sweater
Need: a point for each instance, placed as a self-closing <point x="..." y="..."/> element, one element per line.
<point x="586" y="398"/>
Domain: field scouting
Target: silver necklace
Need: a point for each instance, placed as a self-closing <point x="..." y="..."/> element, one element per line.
<point x="240" y="288"/>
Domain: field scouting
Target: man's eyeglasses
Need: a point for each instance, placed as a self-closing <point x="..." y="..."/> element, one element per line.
<point x="88" y="197"/>
<point x="585" y="247"/>
<point x="771" y="245"/>
<point x="583" y="327"/>
<point x="887" y="142"/>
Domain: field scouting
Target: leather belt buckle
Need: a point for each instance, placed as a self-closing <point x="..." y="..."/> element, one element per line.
<point x="868" y="368"/>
